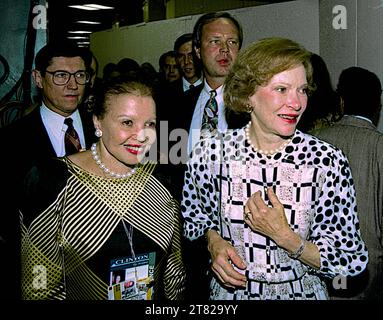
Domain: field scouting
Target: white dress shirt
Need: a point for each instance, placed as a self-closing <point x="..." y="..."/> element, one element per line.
<point x="186" y="84"/>
<point x="54" y="124"/>
<point x="360" y="117"/>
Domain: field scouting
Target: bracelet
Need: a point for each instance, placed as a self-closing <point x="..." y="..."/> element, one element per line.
<point x="298" y="253"/>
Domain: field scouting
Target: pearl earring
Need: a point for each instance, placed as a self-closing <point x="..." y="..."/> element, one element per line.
<point x="98" y="133"/>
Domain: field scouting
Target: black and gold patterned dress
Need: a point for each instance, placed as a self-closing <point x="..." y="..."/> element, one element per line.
<point x="74" y="223"/>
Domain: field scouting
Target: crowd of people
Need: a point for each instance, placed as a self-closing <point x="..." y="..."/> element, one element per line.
<point x="268" y="187"/>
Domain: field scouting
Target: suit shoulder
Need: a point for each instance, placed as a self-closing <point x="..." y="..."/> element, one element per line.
<point x="193" y="92"/>
<point x="41" y="186"/>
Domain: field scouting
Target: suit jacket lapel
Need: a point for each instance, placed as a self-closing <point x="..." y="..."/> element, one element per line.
<point x="88" y="127"/>
<point x="42" y="143"/>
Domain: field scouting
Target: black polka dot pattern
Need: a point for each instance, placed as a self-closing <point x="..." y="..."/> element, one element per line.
<point x="310" y="177"/>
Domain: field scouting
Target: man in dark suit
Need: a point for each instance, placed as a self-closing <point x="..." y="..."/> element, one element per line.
<point x="189" y="64"/>
<point x="217" y="39"/>
<point x="61" y="74"/>
<point x="171" y="97"/>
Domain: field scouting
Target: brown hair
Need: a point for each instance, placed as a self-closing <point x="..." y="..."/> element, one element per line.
<point x="257" y="64"/>
<point x="210" y="17"/>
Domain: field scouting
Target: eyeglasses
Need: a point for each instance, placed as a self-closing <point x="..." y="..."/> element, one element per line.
<point x="61" y="78"/>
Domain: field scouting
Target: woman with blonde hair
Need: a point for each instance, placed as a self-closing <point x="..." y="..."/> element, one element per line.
<point x="106" y="213"/>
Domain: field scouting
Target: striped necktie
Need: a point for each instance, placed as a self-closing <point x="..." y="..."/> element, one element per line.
<point x="72" y="141"/>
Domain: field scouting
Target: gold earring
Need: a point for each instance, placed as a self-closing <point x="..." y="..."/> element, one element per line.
<point x="249" y="108"/>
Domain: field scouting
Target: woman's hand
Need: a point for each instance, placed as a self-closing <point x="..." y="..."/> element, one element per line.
<point x="271" y="221"/>
<point x="224" y="256"/>
<point x="267" y="220"/>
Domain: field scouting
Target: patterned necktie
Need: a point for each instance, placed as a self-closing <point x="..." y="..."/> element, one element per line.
<point x="210" y="114"/>
<point x="72" y="141"/>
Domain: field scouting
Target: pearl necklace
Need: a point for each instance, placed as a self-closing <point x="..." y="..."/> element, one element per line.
<point x="102" y="166"/>
<point x="265" y="152"/>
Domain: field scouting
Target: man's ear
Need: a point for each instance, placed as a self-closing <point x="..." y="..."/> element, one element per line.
<point x="37" y="78"/>
<point x="197" y="52"/>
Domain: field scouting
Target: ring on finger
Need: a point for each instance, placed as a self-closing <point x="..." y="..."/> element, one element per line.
<point x="247" y="215"/>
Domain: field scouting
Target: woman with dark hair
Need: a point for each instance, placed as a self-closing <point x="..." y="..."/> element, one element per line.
<point x="107" y="211"/>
